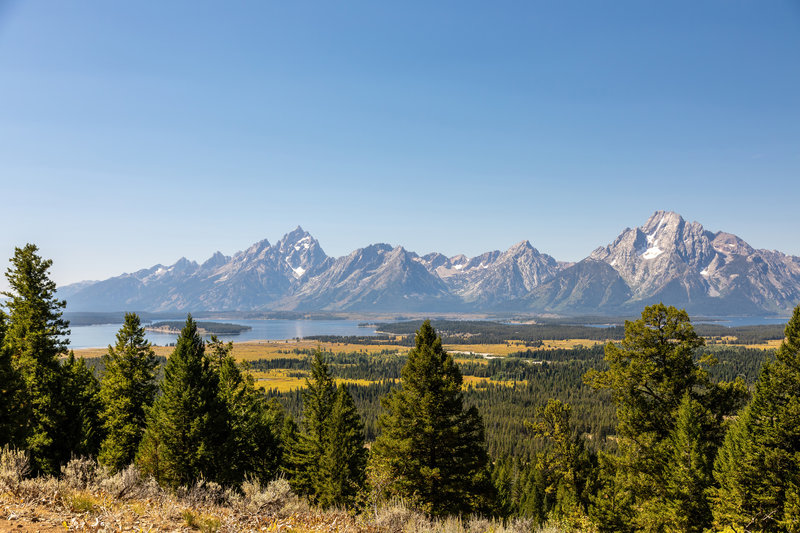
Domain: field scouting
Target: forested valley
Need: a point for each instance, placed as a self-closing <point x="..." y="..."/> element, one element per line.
<point x="656" y="430"/>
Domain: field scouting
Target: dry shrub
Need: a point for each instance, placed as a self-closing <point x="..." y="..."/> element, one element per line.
<point x="275" y="498"/>
<point x="203" y="493"/>
<point x="550" y="528"/>
<point x="15" y="465"/>
<point x="451" y="524"/>
<point x="81" y="473"/>
<point x="396" y="517"/>
<point x="43" y="488"/>
<point x="479" y="524"/>
<point x="128" y="484"/>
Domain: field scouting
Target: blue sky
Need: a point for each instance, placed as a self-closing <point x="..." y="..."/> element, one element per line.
<point x="136" y="133"/>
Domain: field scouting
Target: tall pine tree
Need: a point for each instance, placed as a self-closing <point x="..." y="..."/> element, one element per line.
<point x="343" y="463"/>
<point x="252" y="432"/>
<point x="430" y="447"/>
<point x="651" y="372"/>
<point x="326" y="458"/>
<point x="81" y="432"/>
<point x="566" y="466"/>
<point x="758" y="466"/>
<point x="310" y="443"/>
<point x="693" y="445"/>
<point x="35" y="338"/>
<point x="183" y="436"/>
<point x="127" y="391"/>
<point x="11" y="389"/>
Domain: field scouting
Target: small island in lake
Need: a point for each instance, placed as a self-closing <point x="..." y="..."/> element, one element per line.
<point x="204" y="328"/>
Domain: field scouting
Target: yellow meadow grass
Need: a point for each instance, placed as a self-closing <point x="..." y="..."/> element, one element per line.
<point x="478" y="380"/>
<point x="254" y="350"/>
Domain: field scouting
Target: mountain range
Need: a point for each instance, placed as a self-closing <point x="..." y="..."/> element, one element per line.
<point x="667" y="259"/>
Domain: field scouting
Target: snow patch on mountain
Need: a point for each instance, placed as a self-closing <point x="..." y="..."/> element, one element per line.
<point x="652" y="252"/>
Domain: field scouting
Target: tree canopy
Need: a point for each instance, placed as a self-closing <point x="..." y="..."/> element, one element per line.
<point x="183" y="437"/>
<point x="127" y="391"/>
<point x="670" y="423"/>
<point x="431" y="447"/>
<point x="758" y="467"/>
<point x="35" y="338"/>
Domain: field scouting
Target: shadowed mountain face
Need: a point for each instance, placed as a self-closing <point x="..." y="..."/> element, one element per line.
<point x="667" y="259"/>
<point x="377" y="277"/>
<point x="589" y="287"/>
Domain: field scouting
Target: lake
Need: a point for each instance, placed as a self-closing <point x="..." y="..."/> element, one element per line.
<point x="733" y="321"/>
<point x="101" y="335"/>
<point x="729" y="321"/>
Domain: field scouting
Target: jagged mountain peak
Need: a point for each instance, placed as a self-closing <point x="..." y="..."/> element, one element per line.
<point x="296" y="240"/>
<point x="434" y="260"/>
<point x="215" y="261"/>
<point x="183" y="264"/>
<point x="665" y="259"/>
<point x="661" y="219"/>
<point x="522" y="246"/>
<point x="296" y="236"/>
<point x="379" y="248"/>
<point x="673" y="260"/>
<point x="255" y="249"/>
<point x="729" y="244"/>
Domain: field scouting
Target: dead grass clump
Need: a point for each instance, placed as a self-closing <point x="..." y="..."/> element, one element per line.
<point x="38" y="488"/>
<point x="80" y="502"/>
<point x="205" y="523"/>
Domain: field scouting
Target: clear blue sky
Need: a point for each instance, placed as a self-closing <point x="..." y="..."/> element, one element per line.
<point x="133" y="133"/>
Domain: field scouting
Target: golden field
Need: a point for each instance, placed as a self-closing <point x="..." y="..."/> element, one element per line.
<point x="254" y="350"/>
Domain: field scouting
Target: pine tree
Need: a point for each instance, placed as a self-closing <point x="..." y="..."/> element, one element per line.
<point x="566" y="467"/>
<point x="252" y="445"/>
<point x="758" y="467"/>
<point x="651" y="372"/>
<point x="689" y="470"/>
<point x="182" y="440"/>
<point x="289" y="466"/>
<point x="312" y="440"/>
<point x="11" y="389"/>
<point x="35" y="338"/>
<point x="127" y="391"/>
<point x="431" y="448"/>
<point x="81" y="432"/>
<point x="343" y="463"/>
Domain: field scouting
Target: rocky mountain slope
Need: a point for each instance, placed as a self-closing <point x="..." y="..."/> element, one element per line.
<point x="671" y="260"/>
<point x="666" y="259"/>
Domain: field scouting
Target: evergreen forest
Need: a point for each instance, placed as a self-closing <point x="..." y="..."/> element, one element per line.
<point x="656" y="430"/>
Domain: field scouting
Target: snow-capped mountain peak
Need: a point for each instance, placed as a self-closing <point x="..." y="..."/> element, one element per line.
<point x="666" y="259"/>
